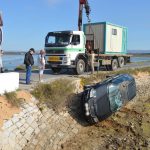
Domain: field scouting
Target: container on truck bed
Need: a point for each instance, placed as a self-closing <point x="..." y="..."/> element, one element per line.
<point x="67" y="49"/>
<point x="110" y="43"/>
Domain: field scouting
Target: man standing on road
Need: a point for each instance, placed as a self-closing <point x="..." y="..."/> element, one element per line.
<point x="29" y="62"/>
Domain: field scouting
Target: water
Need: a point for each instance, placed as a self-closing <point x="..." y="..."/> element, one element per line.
<point x="10" y="62"/>
<point x="140" y="59"/>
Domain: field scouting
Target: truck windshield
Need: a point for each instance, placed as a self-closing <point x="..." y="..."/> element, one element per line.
<point x="58" y="40"/>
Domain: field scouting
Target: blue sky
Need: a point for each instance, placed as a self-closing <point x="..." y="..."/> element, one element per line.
<point x="26" y="22"/>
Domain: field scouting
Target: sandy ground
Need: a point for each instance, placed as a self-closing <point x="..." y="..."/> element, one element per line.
<point x="127" y="129"/>
<point x="7" y="110"/>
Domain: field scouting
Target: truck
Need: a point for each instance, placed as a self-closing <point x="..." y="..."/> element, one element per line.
<point x="68" y="49"/>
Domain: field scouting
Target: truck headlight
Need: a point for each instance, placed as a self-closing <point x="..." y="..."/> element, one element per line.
<point x="66" y="59"/>
<point x="93" y="93"/>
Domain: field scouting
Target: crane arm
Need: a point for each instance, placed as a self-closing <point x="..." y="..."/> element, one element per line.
<point x="83" y="4"/>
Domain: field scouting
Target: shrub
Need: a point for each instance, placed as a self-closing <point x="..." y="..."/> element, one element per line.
<point x="20" y="68"/>
<point x="11" y="97"/>
<point x="54" y="94"/>
<point x="23" y="68"/>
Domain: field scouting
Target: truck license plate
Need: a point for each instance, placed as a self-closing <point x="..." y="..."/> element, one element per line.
<point x="53" y="58"/>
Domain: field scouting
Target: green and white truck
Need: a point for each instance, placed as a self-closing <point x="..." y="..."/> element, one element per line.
<point x="67" y="49"/>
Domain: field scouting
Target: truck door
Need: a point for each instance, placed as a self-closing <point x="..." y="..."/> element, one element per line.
<point x="77" y="46"/>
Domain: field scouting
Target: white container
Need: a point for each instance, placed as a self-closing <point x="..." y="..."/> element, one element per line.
<point x="108" y="38"/>
<point x="9" y="82"/>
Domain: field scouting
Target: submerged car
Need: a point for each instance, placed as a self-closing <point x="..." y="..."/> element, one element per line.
<point x="103" y="99"/>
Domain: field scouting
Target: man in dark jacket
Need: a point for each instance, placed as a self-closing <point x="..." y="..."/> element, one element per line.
<point x="29" y="62"/>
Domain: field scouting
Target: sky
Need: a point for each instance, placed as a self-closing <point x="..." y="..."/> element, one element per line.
<point x="26" y="22"/>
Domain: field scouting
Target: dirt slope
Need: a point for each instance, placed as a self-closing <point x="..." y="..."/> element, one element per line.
<point x="127" y="129"/>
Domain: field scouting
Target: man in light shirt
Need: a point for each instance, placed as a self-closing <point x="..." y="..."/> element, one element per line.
<point x="41" y="62"/>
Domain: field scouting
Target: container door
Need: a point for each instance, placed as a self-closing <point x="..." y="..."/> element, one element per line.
<point x="124" y="40"/>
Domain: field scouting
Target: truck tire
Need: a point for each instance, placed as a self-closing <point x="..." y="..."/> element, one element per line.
<point x="80" y="67"/>
<point x="56" y="70"/>
<point x="121" y="62"/>
<point x="114" y="64"/>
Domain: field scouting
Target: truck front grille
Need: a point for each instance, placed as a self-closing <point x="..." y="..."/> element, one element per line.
<point x="55" y="51"/>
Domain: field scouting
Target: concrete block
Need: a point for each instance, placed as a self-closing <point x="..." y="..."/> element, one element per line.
<point x="29" y="131"/>
<point x="34" y="125"/>
<point x="37" y="130"/>
<point x="19" y="124"/>
<point x="15" y="119"/>
<point x="10" y="82"/>
<point x="30" y="120"/>
<point x="7" y="124"/>
<point x="23" y="142"/>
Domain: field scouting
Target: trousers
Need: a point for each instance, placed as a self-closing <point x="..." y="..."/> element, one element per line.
<point x="28" y="74"/>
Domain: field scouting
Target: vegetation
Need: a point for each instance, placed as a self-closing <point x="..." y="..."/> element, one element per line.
<point x="55" y="94"/>
<point x="102" y="75"/>
<point x="11" y="97"/>
<point x="23" y="68"/>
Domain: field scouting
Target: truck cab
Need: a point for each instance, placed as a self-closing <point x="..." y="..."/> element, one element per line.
<point x="64" y="49"/>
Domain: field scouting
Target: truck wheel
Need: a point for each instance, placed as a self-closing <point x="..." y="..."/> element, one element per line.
<point x="121" y="62"/>
<point x="114" y="64"/>
<point x="56" y="70"/>
<point x="80" y="67"/>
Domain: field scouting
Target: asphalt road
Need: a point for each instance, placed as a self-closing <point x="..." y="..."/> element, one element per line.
<point x="50" y="76"/>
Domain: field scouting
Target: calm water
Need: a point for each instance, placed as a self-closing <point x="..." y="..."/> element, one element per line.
<point x="10" y="62"/>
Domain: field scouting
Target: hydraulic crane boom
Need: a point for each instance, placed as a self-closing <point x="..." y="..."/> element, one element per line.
<point x="83" y="4"/>
<point x="1" y="24"/>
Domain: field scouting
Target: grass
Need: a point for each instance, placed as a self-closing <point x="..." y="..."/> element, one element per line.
<point x="55" y="94"/>
<point x="102" y="75"/>
<point x="11" y="97"/>
<point x="23" y="68"/>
